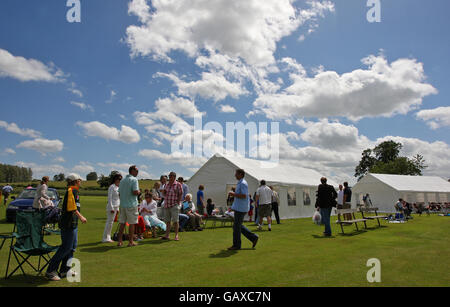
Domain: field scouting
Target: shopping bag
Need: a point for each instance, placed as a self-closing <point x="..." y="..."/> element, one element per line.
<point x="317" y="218"/>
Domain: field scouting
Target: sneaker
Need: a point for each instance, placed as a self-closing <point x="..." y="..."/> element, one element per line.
<point x="270" y="229"/>
<point x="53" y="276"/>
<point x="259" y="227"/>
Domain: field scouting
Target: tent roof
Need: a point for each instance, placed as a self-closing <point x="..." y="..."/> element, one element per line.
<point x="276" y="173"/>
<point x="415" y="183"/>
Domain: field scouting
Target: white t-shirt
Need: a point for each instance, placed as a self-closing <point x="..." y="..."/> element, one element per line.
<point x="340" y="199"/>
<point x="265" y="195"/>
<point x="152" y="207"/>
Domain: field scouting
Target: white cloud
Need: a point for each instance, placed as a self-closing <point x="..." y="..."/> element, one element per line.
<point x="41" y="170"/>
<point x="83" y="167"/>
<point x="12" y="127"/>
<point x="170" y="110"/>
<point x="227" y="109"/>
<point x="59" y="160"/>
<point x="384" y="89"/>
<point x="73" y="89"/>
<point x="246" y="29"/>
<point x="126" y="134"/>
<point x="82" y="106"/>
<point x="139" y="8"/>
<point x="24" y="70"/>
<point x="212" y="86"/>
<point x="112" y="96"/>
<point x="9" y="151"/>
<point x="334" y="136"/>
<point x="42" y="146"/>
<point x="173" y="158"/>
<point x="435" y="118"/>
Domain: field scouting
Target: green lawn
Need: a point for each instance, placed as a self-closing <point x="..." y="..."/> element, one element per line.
<point x="293" y="254"/>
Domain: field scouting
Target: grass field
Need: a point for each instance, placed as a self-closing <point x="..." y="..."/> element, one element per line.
<point x="293" y="254"/>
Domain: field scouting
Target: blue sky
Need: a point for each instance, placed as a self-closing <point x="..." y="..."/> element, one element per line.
<point x="75" y="86"/>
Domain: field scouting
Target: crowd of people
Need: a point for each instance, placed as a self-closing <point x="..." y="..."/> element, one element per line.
<point x="169" y="206"/>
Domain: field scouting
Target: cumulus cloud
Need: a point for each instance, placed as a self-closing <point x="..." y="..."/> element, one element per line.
<point x="383" y="89"/>
<point x="246" y="29"/>
<point x="13" y="128"/>
<point x="335" y="136"/>
<point x="435" y="118"/>
<point x="212" y="86"/>
<point x="24" y="70"/>
<point x="43" y="146"/>
<point x="126" y="134"/>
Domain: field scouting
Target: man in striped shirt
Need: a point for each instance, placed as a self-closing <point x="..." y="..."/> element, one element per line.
<point x="173" y="193"/>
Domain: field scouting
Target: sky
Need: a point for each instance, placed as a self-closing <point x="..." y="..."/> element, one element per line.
<point x="106" y="92"/>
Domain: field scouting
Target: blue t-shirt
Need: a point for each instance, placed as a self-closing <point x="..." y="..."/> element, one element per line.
<point x="241" y="204"/>
<point x="200" y="194"/>
<point x="126" y="188"/>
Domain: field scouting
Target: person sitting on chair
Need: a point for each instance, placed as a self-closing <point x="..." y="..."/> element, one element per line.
<point x="189" y="209"/>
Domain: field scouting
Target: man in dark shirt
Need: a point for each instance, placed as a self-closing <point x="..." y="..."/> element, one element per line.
<point x="326" y="200"/>
<point x="347" y="200"/>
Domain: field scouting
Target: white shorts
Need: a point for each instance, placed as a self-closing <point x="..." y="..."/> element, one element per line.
<point x="129" y="215"/>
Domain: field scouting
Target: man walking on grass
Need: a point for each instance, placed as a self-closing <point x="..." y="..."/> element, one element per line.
<point x="129" y="193"/>
<point x="264" y="201"/>
<point x="240" y="207"/>
<point x="326" y="196"/>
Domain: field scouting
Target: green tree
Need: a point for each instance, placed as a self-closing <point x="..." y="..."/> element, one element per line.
<point x="106" y="181"/>
<point x="385" y="159"/>
<point x="59" y="177"/>
<point x="92" y="176"/>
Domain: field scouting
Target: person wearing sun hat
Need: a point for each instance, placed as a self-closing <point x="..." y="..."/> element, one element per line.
<point x="68" y="225"/>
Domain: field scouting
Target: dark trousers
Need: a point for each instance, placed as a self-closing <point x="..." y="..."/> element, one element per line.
<point x="239" y="228"/>
<point x="326" y="214"/>
<point x="256" y="215"/>
<point x="183" y="219"/>
<point x="275" y="210"/>
<point x="65" y="251"/>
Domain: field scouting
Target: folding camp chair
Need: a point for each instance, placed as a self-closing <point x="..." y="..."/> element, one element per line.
<point x="4" y="237"/>
<point x="28" y="241"/>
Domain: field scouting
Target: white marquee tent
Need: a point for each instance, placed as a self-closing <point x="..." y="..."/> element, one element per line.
<point x="385" y="190"/>
<point x="296" y="186"/>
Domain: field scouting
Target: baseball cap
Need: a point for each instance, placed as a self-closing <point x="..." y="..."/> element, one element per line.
<point x="73" y="177"/>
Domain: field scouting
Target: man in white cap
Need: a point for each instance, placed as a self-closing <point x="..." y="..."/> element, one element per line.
<point x="68" y="225"/>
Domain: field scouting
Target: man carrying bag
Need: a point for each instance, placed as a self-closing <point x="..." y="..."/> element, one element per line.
<point x="326" y="200"/>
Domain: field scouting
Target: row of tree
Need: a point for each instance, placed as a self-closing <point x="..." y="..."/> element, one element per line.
<point x="103" y="181"/>
<point x="13" y="173"/>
